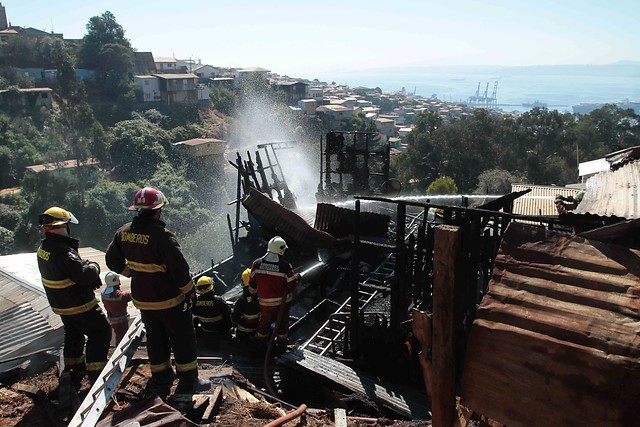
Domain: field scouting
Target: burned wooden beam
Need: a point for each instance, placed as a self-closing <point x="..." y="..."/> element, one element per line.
<point x="443" y="401"/>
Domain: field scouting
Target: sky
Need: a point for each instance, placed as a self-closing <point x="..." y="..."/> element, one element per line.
<point x="298" y="37"/>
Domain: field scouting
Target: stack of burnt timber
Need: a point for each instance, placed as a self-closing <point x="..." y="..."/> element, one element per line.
<point x="556" y="341"/>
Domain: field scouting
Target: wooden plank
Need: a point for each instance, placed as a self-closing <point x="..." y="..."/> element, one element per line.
<point x="214" y="403"/>
<point x="446" y="244"/>
<point x="28" y="389"/>
<point x="340" y="417"/>
<point x="403" y="400"/>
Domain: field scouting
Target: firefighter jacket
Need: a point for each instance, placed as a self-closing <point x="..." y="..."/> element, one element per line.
<point x="159" y="273"/>
<point x="68" y="280"/>
<point x="270" y="276"/>
<point x="212" y="313"/>
<point x="116" y="305"/>
<point x="246" y="312"/>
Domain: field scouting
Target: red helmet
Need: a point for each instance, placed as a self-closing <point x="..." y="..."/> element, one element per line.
<point x="148" y="198"/>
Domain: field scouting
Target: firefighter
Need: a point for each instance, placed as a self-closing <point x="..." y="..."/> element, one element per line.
<point x="162" y="289"/>
<point x="565" y="204"/>
<point x="211" y="313"/>
<point x="69" y="282"/>
<point x="273" y="280"/>
<point x="115" y="302"/>
<point x="246" y="311"/>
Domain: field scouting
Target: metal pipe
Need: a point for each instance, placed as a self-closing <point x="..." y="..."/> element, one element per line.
<point x="288" y="417"/>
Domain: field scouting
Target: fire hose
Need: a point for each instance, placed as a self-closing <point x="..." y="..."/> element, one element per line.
<point x="288" y="417"/>
<point x="279" y="319"/>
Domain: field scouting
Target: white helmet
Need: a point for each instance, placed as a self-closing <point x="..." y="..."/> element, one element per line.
<point x="277" y="245"/>
<point x="112" y="279"/>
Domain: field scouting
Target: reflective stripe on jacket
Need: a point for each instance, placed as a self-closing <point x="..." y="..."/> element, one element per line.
<point x="159" y="273"/>
<point x="68" y="281"/>
<point x="212" y="313"/>
<point x="270" y="276"/>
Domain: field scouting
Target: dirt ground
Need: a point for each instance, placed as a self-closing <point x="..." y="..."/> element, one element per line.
<point x="34" y="401"/>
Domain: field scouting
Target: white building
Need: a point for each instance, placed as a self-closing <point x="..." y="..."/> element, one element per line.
<point x="150" y="88"/>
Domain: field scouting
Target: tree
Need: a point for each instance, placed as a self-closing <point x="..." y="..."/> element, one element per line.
<point x="6" y="241"/>
<point x="605" y="130"/>
<point x="21" y="145"/>
<point x="97" y="45"/>
<point x="222" y="99"/>
<point x="443" y="185"/>
<point x="186" y="211"/>
<point x="138" y="149"/>
<point x="106" y="51"/>
<point x="105" y="210"/>
<point x="496" y="181"/>
<point x="422" y="161"/>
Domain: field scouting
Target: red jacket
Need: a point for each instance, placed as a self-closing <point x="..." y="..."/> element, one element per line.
<point x="116" y="305"/>
<point x="270" y="276"/>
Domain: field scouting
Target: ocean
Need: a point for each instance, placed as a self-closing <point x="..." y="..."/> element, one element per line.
<point x="560" y="87"/>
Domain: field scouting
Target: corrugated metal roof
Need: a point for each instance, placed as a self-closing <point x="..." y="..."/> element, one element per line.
<point x="27" y="324"/>
<point x="613" y="193"/>
<point x="540" y="200"/>
<point x="556" y="340"/>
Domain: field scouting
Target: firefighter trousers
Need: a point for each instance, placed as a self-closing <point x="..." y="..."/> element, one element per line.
<point x="166" y="330"/>
<point x="94" y="325"/>
<point x="119" y="329"/>
<point x="268" y="315"/>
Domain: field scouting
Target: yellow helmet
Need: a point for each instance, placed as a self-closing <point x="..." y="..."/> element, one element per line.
<point x="246" y="275"/>
<point x="204" y="285"/>
<point x="56" y="216"/>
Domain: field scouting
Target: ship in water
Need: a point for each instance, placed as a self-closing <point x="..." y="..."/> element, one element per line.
<point x="588" y="107"/>
<point x="535" y="104"/>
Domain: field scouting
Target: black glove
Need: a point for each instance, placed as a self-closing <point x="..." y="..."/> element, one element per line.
<point x="92" y="264"/>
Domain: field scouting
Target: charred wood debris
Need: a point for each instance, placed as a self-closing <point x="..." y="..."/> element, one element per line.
<point x="381" y="330"/>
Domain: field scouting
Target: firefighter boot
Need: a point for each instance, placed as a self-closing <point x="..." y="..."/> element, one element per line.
<point x="161" y="382"/>
<point x="77" y="373"/>
<point x="190" y="383"/>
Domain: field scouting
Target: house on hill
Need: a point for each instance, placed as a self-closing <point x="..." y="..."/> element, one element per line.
<point x="335" y="112"/>
<point x="7" y="34"/>
<point x="205" y="72"/>
<point x="247" y="74"/>
<point x="293" y="91"/>
<point x="4" y="24"/>
<point x="33" y="97"/>
<point x="150" y="88"/>
<point x="143" y="63"/>
<point x="208" y="152"/>
<point x="166" y="65"/>
<point x="178" y="88"/>
<point x="66" y="167"/>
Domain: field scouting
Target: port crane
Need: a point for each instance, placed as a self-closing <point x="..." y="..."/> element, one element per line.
<point x="485" y="99"/>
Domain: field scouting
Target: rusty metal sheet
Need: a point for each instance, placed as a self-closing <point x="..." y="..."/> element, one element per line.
<point x="339" y="222"/>
<point x="279" y="219"/>
<point x="556" y="341"/>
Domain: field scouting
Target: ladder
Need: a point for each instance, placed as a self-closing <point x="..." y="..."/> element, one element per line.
<point x="330" y="338"/>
